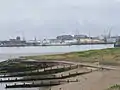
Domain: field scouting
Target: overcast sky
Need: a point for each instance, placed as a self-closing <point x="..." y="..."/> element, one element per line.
<point x="49" y="18"/>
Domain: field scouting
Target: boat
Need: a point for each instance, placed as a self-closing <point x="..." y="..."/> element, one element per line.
<point x="117" y="44"/>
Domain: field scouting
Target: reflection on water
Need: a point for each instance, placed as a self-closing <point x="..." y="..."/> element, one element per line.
<point x="11" y="52"/>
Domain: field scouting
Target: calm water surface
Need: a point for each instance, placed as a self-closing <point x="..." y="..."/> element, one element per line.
<point x="11" y="52"/>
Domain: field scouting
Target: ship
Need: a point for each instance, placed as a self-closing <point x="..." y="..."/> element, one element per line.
<point x="117" y="43"/>
<point x="17" y="42"/>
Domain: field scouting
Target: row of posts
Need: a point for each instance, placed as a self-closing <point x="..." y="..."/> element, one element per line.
<point x="50" y="83"/>
<point x="51" y="69"/>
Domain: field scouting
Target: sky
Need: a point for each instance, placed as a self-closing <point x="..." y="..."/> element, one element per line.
<point x="49" y="18"/>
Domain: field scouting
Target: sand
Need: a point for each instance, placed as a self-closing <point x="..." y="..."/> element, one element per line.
<point x="97" y="80"/>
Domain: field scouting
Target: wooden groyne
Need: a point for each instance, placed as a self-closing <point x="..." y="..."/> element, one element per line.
<point x="45" y="71"/>
<point x="31" y="85"/>
<point x="62" y="76"/>
<point x="41" y="84"/>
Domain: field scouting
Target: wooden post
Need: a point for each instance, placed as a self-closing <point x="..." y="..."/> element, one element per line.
<point x="6" y="85"/>
<point x="69" y="73"/>
<point x="77" y="66"/>
<point x="70" y="67"/>
<point x="64" y="66"/>
<point x="60" y="88"/>
<point x="54" y="76"/>
<point x="50" y="82"/>
<point x="61" y="75"/>
<point x="76" y="80"/>
<point x="41" y="82"/>
<point x="68" y="80"/>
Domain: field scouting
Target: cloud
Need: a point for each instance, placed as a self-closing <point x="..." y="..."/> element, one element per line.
<point x="39" y="17"/>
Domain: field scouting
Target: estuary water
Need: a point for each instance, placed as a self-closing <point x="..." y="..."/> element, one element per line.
<point x="12" y="52"/>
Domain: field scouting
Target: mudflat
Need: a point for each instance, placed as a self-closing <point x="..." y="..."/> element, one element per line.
<point x="98" y="80"/>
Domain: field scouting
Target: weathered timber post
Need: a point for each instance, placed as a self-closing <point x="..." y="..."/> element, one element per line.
<point x="41" y="82"/>
<point x="69" y="74"/>
<point x="77" y="66"/>
<point x="60" y="88"/>
<point x="6" y="85"/>
<point x="44" y="69"/>
<point x="15" y="79"/>
<point x="68" y="80"/>
<point x="76" y="80"/>
<point x="61" y="75"/>
<point x="50" y="88"/>
<point x="33" y="83"/>
<point x="38" y="70"/>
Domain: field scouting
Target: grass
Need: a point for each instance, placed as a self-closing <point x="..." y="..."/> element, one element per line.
<point x="114" y="87"/>
<point x="104" y="56"/>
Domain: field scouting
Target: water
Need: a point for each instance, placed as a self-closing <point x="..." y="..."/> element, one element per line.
<point x="11" y="52"/>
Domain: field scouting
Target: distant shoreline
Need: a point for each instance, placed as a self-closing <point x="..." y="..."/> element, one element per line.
<point x="56" y="45"/>
<point x="15" y="52"/>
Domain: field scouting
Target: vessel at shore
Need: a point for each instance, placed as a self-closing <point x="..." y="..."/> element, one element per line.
<point x="117" y="44"/>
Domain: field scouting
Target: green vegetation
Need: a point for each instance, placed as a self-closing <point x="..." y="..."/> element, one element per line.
<point x="114" y="87"/>
<point x="110" y="56"/>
